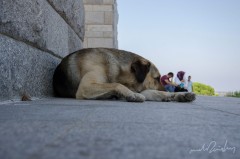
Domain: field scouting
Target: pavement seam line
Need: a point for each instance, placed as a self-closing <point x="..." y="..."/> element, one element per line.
<point x="217" y="110"/>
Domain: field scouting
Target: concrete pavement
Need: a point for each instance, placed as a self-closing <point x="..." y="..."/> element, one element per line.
<point x="55" y="128"/>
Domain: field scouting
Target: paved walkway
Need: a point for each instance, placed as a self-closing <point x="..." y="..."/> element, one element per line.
<point x="71" y="129"/>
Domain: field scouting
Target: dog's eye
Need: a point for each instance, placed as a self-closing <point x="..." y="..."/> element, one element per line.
<point x="157" y="78"/>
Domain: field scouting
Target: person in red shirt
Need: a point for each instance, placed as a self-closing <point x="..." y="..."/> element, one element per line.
<point x="167" y="83"/>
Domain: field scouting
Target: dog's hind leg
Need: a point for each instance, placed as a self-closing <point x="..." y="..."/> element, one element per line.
<point x="155" y="95"/>
<point x="94" y="86"/>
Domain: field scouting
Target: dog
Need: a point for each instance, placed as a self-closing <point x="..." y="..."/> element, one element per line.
<point x="105" y="73"/>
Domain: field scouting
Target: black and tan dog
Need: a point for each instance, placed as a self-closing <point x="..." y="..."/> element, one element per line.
<point x="103" y="73"/>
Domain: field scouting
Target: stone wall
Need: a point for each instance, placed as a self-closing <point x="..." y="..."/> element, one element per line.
<point x="34" y="36"/>
<point x="101" y="18"/>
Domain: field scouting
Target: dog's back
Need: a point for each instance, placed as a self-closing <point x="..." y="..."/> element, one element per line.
<point x="69" y="72"/>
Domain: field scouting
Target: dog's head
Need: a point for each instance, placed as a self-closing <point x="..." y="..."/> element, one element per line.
<point x="147" y="74"/>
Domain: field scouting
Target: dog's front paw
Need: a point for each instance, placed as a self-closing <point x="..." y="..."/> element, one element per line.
<point x="185" y="97"/>
<point x="167" y="99"/>
<point x="190" y="97"/>
<point x="135" y="97"/>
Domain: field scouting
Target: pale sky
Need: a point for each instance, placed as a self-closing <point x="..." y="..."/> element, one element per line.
<point x="200" y="37"/>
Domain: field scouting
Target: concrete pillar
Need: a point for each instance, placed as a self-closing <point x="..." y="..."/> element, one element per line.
<point x="101" y="18"/>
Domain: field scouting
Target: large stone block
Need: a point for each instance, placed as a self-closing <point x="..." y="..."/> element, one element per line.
<point x="100" y="42"/>
<point x="92" y="34"/>
<point x="99" y="28"/>
<point x="24" y="68"/>
<point x="108" y="34"/>
<point x="94" y="18"/>
<point x="73" y="12"/>
<point x="109" y="1"/>
<point x="108" y="18"/>
<point x="93" y="2"/>
<point x="99" y="8"/>
<point x="74" y="43"/>
<point x="99" y="34"/>
<point x="36" y="22"/>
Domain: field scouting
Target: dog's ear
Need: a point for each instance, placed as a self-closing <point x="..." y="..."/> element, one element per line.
<point x="140" y="69"/>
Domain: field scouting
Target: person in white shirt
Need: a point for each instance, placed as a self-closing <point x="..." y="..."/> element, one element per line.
<point x="190" y="85"/>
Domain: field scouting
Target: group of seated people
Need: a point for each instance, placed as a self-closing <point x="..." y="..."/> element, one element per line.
<point x="180" y="84"/>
